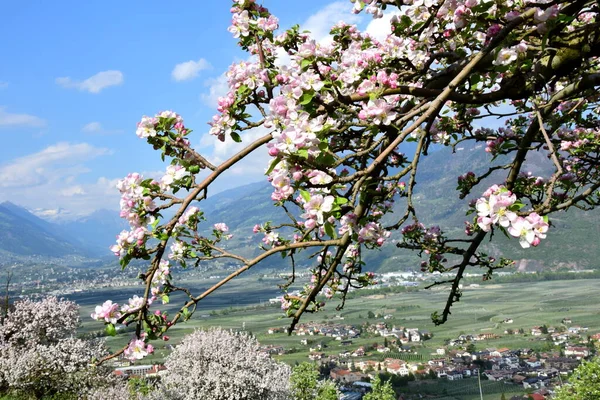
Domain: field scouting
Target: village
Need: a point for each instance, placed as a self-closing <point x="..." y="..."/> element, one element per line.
<point x="397" y="353"/>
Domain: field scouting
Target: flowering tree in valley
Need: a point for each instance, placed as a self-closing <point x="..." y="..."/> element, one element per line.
<point x="222" y="365"/>
<point x="349" y="122"/>
<point x="39" y="355"/>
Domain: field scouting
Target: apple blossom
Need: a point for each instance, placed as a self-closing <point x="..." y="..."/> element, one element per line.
<point x="338" y="116"/>
<point x="108" y="312"/>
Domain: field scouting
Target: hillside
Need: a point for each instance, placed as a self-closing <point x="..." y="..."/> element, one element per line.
<point x="97" y="231"/>
<point x="24" y="234"/>
<point x="568" y="243"/>
<point x="437" y="202"/>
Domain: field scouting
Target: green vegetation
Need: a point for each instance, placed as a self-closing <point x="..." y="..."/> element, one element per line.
<point x="465" y="389"/>
<point x="481" y="310"/>
<point x="304" y="381"/>
<point x="584" y="384"/>
<point x="381" y="391"/>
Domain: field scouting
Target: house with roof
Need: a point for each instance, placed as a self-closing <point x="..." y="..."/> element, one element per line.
<point x="454" y="375"/>
<point x="345" y="375"/>
<point x="360" y="352"/>
<point x="314" y="356"/>
<point x="139" y="370"/>
<point x="577" y="351"/>
<point x="365" y="365"/>
<point x="398" y="367"/>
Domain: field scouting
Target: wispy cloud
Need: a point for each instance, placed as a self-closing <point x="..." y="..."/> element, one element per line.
<point x="51" y="179"/>
<point x="93" y="84"/>
<point x="379" y="28"/>
<point x="217" y="87"/>
<point x="3" y="85"/>
<point x="250" y="169"/>
<point x="12" y="120"/>
<point x="321" y="22"/>
<point x="189" y="69"/>
<point x="92" y="127"/>
<point x="96" y="128"/>
<point x="59" y="162"/>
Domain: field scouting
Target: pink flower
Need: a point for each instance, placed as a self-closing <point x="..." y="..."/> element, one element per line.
<point x="221" y="227"/>
<point x="522" y="229"/>
<point x="137" y="350"/>
<point x="372" y="232"/>
<point x="317" y="206"/>
<point x="108" y="311"/>
<point x="506" y="56"/>
<point x="146" y="127"/>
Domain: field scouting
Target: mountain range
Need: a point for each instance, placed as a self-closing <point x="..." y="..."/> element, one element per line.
<point x="570" y="241"/>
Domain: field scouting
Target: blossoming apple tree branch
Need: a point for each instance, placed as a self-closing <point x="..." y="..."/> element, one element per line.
<point x="350" y="122"/>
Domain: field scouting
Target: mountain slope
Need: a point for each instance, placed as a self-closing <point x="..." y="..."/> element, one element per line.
<point x="24" y="234"/>
<point x="569" y="242"/>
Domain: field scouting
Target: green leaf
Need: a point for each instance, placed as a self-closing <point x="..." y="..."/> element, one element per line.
<point x="236" y="137"/>
<point x="111" y="330"/>
<point x="341" y="200"/>
<point x="186" y="314"/>
<point x="305" y="63"/>
<point x="161" y="236"/>
<point x="329" y="230"/>
<point x="306" y="97"/>
<point x="302" y="153"/>
<point x="165" y="299"/>
<point x="273" y="165"/>
<point x="124" y="261"/>
<point x="516" y="206"/>
<point x="305" y="195"/>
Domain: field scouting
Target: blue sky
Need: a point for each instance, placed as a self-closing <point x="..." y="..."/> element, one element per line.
<point x="75" y="78"/>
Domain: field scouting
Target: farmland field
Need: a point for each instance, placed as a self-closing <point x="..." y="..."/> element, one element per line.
<point x="481" y="310"/>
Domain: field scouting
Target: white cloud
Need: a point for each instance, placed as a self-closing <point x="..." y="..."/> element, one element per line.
<point x="189" y="69"/>
<point x="92" y="127"/>
<point x="95" y="83"/>
<point x="250" y="169"/>
<point x="320" y="23"/>
<point x="217" y="87"/>
<point x="49" y="181"/>
<point x="379" y="28"/>
<point x="16" y="120"/>
<point x="59" y="162"/>
<point x="3" y="85"/>
<point x="96" y="128"/>
<point x="70" y="191"/>
<point x="51" y="214"/>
